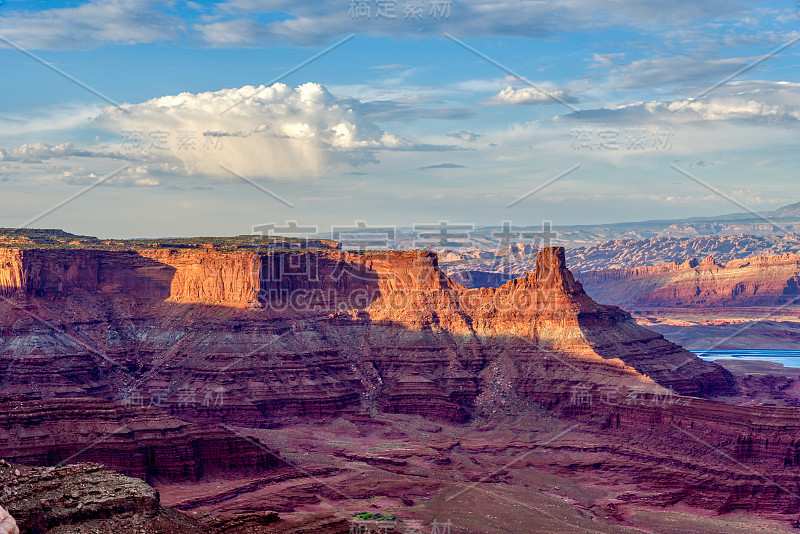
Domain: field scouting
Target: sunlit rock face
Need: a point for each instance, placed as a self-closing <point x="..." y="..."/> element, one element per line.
<point x="254" y="337"/>
<point x="756" y="281"/>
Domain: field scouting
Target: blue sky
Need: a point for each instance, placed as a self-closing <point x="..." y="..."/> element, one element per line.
<point x="398" y="125"/>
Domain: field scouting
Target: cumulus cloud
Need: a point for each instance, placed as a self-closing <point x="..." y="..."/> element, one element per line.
<point x="531" y="96"/>
<point x="270" y="132"/>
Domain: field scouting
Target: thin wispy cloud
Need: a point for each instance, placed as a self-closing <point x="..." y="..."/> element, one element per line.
<point x="232" y="23"/>
<point x="442" y="166"/>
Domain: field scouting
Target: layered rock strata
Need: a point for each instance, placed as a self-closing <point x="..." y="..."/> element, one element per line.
<point x="268" y="339"/>
<point x="756" y="281"/>
<point x="142" y="442"/>
<point x="253" y="338"/>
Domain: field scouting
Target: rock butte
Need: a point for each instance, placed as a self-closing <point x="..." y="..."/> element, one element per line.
<point x="313" y="333"/>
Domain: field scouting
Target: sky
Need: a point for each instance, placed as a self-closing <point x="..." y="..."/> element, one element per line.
<point x="137" y="118"/>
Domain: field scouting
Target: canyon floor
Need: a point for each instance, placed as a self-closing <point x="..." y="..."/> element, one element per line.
<point x="525" y="473"/>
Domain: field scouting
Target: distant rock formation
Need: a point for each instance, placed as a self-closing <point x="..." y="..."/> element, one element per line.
<point x="632" y="253"/>
<point x="756" y="281"/>
<point x="476" y="267"/>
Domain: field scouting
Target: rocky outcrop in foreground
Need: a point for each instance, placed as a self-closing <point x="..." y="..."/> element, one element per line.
<point x="85" y="498"/>
<point x="7" y="523"/>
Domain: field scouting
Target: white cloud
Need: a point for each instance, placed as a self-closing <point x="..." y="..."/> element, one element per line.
<point x="320" y="22"/>
<point x="391" y="66"/>
<point x="531" y="96"/>
<point x="47" y="120"/>
<point x="137" y="176"/>
<point x="464" y="135"/>
<point x="268" y="132"/>
<point x="232" y="32"/>
<point x="236" y="23"/>
<point x="698" y="71"/>
<point x="89" y="24"/>
<point x="38" y="152"/>
<point x="755" y="101"/>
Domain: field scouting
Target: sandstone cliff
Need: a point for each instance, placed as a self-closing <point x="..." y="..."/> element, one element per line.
<point x="756" y="281"/>
<point x="253" y="338"/>
<point x="112" y="352"/>
<point x="206" y="276"/>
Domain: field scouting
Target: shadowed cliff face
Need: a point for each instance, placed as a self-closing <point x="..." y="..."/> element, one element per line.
<point x="53" y="273"/>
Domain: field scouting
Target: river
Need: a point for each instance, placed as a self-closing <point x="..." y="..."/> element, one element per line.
<point x="789" y="358"/>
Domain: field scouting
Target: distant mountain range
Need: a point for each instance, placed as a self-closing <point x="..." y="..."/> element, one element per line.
<point x="626" y="245"/>
<point x="589" y="247"/>
<point x="777" y="222"/>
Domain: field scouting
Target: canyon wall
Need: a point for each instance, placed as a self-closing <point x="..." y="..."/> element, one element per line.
<point x="207" y="276"/>
<point x="140" y="441"/>
<point x="135" y="358"/>
<point x="317" y="333"/>
<point x="755" y="281"/>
